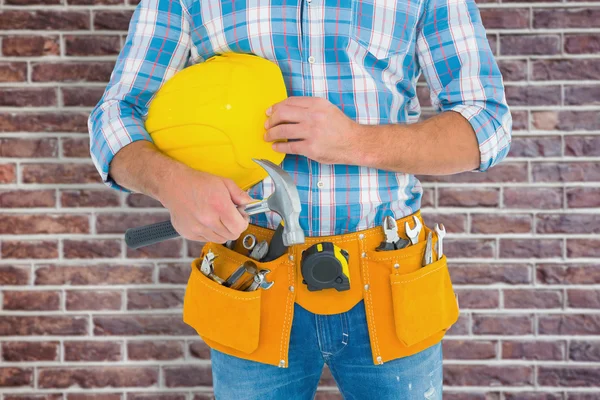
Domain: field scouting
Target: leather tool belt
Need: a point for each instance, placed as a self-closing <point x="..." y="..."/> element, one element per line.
<point x="409" y="307"/>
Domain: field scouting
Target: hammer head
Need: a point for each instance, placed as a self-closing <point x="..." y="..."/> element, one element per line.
<point x="285" y="201"/>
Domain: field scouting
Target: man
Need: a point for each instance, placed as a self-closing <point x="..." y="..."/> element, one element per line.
<point x="351" y="69"/>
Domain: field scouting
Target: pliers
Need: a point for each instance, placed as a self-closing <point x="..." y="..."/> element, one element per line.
<point x="392" y="240"/>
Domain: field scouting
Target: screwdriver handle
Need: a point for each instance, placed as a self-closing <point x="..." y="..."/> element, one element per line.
<point x="150" y="234"/>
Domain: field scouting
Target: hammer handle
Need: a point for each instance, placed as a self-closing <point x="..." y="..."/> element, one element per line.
<point x="161" y="231"/>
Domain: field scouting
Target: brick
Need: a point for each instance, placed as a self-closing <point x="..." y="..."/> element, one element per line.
<point x="97" y="377"/>
<point x="583" y="248"/>
<point x="501" y="223"/>
<point x="570" y="274"/>
<point x="174" y="273"/>
<point x="571" y="324"/>
<point x="154" y="350"/>
<point x="43" y="223"/>
<point x="30" y="46"/>
<point x="505" y="18"/>
<point x="584" y="350"/>
<point x="487" y="375"/>
<point x="72" y="71"/>
<point x="568" y="376"/>
<point x="32" y="2"/>
<point x="581" y="396"/>
<point x="14" y="275"/>
<point x="30" y="351"/>
<point x="533" y="350"/>
<point x="160" y="396"/>
<point x="472" y="395"/>
<point x="566" y="172"/>
<point x="530" y="248"/>
<point x="513" y="70"/>
<point x="98" y="248"/>
<point x="505" y="172"/>
<point x="477" y="298"/>
<point x="7" y="173"/>
<point x="80" y="300"/>
<point x="112" y="20"/>
<point x="566" y="120"/>
<point x="471" y="248"/>
<point x="24" y="249"/>
<point x="154" y="299"/>
<point x="48" y="396"/>
<point x="536" y="146"/>
<point x="12" y="71"/>
<point x="468" y="197"/>
<point x="70" y="122"/>
<point x="460" y="327"/>
<point x="583" y="298"/>
<point x="31" y="300"/>
<point x="89" y="198"/>
<point x="533" y="198"/>
<point x="81" y="96"/>
<point x="132" y="325"/>
<point x="428" y="197"/>
<point x="120" y="222"/>
<point x="15" y="377"/>
<point x="545" y="120"/>
<point x="92" y="45"/>
<point x="139" y="200"/>
<point x="515" y="45"/>
<point x="97" y="274"/>
<point x="92" y="351"/>
<point x="188" y="376"/>
<point x="194" y="248"/>
<point x="28" y="97"/>
<point x="567" y="18"/>
<point x="60" y="173"/>
<point x="583" y="197"/>
<point x="488" y="274"/>
<point x="454" y="223"/>
<point x="423" y="95"/>
<point x="168" y="249"/>
<point x="568" y="223"/>
<point x="45" y="20"/>
<point x="199" y="349"/>
<point x="582" y="43"/>
<point x="93" y="396"/>
<point x="582" y="95"/>
<point x="40" y="325"/>
<point x="588" y="146"/>
<point x="532" y="298"/>
<point x="566" y="69"/>
<point x="76" y="148"/>
<point x="469" y="349"/>
<point x="30" y="148"/>
<point x="320" y="395"/>
<point x="27" y="198"/>
<point x="498" y="324"/>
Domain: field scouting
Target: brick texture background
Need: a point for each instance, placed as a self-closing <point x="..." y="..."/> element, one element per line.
<point x="82" y="317"/>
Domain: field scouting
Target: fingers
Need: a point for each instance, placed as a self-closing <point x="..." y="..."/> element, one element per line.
<point x="198" y="232"/>
<point x="294" y="147"/>
<point x="285" y="114"/>
<point x="238" y="196"/>
<point x="303" y="101"/>
<point x="286" y="132"/>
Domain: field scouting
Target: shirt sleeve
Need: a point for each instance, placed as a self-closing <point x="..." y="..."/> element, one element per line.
<point x="462" y="74"/>
<point x="157" y="46"/>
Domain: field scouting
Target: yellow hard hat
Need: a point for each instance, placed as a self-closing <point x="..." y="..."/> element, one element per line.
<point x="211" y="116"/>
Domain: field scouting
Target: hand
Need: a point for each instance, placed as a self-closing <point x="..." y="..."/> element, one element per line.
<point x="204" y="206"/>
<point x="316" y="129"/>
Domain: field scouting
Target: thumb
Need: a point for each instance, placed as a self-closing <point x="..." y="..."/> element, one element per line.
<point x="238" y="196"/>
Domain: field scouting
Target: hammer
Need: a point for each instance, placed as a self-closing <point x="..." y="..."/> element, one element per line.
<point x="285" y="201"/>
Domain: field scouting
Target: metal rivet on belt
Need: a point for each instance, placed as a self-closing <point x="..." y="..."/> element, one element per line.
<point x="282" y="363"/>
<point x="396" y="266"/>
<point x="363" y="255"/>
<point x="366" y="287"/>
<point x="361" y="236"/>
<point x="379" y="360"/>
<point x="291" y="288"/>
<point x="291" y="257"/>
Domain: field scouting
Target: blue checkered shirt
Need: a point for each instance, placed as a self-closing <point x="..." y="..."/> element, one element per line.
<point x="364" y="56"/>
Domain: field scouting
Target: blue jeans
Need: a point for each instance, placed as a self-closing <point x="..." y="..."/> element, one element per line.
<point x="342" y="342"/>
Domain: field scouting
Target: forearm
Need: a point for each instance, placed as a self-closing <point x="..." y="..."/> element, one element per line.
<point x="141" y="167"/>
<point x="442" y="145"/>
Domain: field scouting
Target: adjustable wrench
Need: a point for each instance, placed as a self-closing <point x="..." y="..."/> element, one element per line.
<point x="413" y="234"/>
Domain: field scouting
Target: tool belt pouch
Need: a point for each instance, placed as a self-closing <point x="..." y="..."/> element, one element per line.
<point x="251" y="325"/>
<point x="424" y="302"/>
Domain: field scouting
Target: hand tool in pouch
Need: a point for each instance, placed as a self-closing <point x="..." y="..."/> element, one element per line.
<point x="259" y="251"/>
<point x="325" y="266"/>
<point x="207" y="267"/>
<point x="413" y="234"/>
<point x="276" y="247"/>
<point x="285" y="201"/>
<point x="392" y="240"/>
<point x="428" y="257"/>
<point x="440" y="231"/>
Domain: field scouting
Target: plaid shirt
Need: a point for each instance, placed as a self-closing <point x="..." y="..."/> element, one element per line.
<point x="365" y="56"/>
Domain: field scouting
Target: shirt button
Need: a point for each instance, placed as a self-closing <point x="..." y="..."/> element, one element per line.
<point x="311" y="59"/>
<point x="309" y="1"/>
<point x="320" y="184"/>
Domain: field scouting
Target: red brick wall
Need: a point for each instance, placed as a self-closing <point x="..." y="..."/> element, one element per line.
<point x="82" y="317"/>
